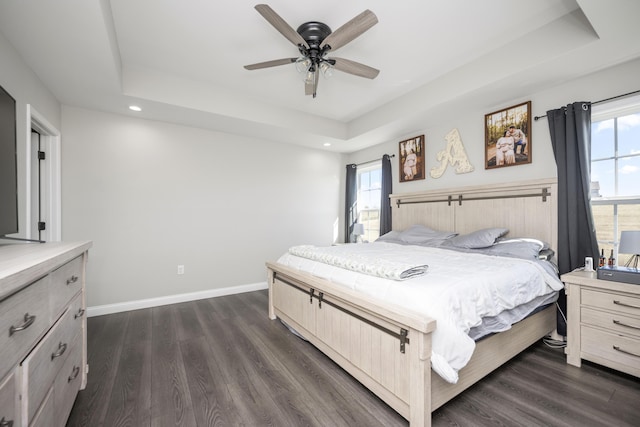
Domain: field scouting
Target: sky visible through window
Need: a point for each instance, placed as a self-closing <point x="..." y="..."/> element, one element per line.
<point x="603" y="147"/>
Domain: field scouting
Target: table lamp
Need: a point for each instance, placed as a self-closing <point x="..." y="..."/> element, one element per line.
<point x="630" y="244"/>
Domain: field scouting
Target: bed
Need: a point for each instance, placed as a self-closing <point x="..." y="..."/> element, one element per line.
<point x="387" y="346"/>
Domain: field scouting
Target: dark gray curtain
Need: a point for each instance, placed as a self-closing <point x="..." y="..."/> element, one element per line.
<point x="351" y="197"/>
<point x="386" y="189"/>
<point x="570" y="129"/>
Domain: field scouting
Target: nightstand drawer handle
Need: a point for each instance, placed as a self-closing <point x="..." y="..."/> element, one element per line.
<point x="617" y="322"/>
<point x="72" y="279"/>
<point x="28" y="321"/>
<point x="6" y="423"/>
<point x="616" y="302"/>
<point x="616" y="348"/>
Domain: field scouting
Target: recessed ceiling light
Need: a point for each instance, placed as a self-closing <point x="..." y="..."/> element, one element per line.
<point x="327" y="144"/>
<point x="134" y="108"/>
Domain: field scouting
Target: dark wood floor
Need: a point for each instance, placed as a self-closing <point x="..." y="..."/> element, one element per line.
<point x="222" y="362"/>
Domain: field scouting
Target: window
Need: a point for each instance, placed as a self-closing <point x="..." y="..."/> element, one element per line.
<point x="369" y="195"/>
<point x="615" y="173"/>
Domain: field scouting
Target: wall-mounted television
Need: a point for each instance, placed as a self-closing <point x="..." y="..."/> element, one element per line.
<point x="8" y="165"/>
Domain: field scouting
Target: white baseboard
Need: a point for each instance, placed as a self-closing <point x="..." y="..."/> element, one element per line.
<point x="100" y="310"/>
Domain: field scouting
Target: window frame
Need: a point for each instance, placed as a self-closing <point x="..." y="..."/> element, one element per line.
<point x="615" y="110"/>
<point x="362" y="169"/>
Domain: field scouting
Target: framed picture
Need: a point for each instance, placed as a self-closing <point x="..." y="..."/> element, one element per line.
<point x="412" y="159"/>
<point x="507" y="137"/>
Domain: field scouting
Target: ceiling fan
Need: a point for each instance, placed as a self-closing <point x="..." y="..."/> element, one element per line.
<point x="314" y="41"/>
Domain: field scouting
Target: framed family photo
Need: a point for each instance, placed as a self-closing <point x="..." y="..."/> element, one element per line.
<point x="507" y="137"/>
<point x="412" y="159"/>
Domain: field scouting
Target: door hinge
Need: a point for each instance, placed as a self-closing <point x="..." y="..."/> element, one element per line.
<point x="41" y="155"/>
<point x="42" y="226"/>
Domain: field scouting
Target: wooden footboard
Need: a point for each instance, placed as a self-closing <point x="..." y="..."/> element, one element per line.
<point x="385" y="347"/>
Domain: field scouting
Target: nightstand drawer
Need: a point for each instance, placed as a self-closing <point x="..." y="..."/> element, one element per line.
<point x="610" y="301"/>
<point x="613" y="321"/>
<point x="618" y="349"/>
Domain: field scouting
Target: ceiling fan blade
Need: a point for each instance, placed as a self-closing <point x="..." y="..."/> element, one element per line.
<point x="280" y="25"/>
<point x="355" y="68"/>
<point x="268" y="64"/>
<point x="350" y="30"/>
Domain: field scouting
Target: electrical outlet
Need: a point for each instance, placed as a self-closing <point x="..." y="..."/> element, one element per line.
<point x="181" y="269"/>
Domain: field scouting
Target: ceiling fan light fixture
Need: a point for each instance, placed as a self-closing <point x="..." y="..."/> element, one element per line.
<point x="302" y="64"/>
<point x="326" y="69"/>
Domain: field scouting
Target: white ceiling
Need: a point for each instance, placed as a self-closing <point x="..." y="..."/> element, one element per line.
<point x="182" y="60"/>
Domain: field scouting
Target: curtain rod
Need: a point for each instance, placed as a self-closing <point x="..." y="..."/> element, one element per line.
<point x="375" y="160"/>
<point x="536" y="118"/>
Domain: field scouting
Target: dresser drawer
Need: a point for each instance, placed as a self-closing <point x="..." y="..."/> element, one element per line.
<point x="68" y="383"/>
<point x="621" y="351"/>
<point x="46" y="413"/>
<point x="622" y="303"/>
<point x="8" y="400"/>
<point x="613" y="321"/>
<point x="23" y="320"/>
<point x="66" y="282"/>
<point x="40" y="368"/>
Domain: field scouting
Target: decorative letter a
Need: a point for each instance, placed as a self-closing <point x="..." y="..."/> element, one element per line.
<point x="452" y="154"/>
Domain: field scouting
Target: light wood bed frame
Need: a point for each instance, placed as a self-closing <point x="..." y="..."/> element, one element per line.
<point x="388" y="348"/>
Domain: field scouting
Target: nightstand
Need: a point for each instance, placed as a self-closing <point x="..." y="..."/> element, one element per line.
<point x="603" y="322"/>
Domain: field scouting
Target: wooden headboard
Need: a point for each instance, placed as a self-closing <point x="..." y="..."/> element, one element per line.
<point x="526" y="208"/>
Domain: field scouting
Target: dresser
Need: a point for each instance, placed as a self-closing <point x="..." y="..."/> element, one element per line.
<point x="603" y="322"/>
<point x="43" y="344"/>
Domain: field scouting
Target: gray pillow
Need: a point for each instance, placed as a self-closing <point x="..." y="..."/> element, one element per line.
<point x="417" y="234"/>
<point x="478" y="239"/>
<point x="392" y="236"/>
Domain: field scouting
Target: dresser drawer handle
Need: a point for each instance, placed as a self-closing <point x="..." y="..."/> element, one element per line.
<point x="5" y="423"/>
<point x="79" y="313"/>
<point x="28" y="321"/>
<point x="72" y="279"/>
<point x="616" y="302"/>
<point x="74" y="374"/>
<point x="61" y="349"/>
<point x="617" y="322"/>
<point x="616" y="348"/>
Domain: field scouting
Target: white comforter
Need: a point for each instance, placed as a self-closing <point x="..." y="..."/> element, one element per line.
<point x="458" y="290"/>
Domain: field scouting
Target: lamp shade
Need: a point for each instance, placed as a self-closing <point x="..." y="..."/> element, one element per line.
<point x="629" y="242"/>
<point x="358" y="229"/>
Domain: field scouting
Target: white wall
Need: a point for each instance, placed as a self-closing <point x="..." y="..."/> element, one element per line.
<point x="470" y="123"/>
<point x="152" y="195"/>
<point x="26" y="88"/>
